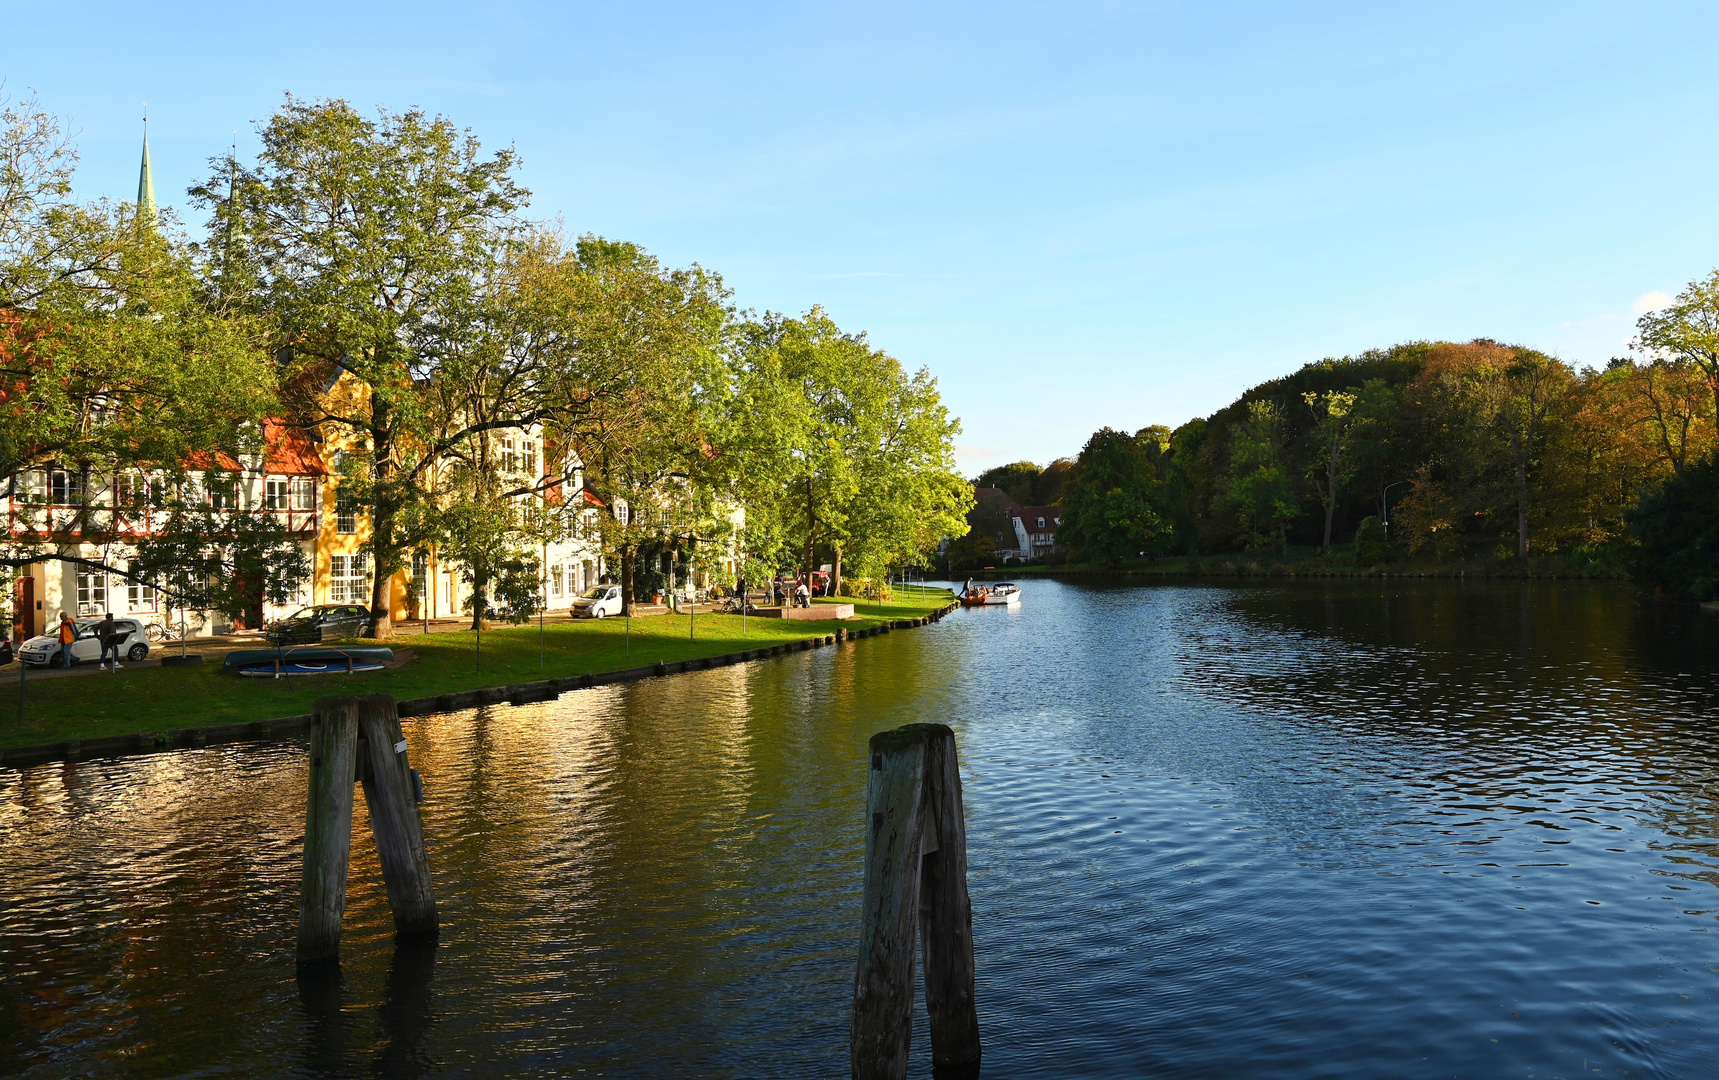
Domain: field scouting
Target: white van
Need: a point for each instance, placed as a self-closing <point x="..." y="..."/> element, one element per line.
<point x="597" y="602"/>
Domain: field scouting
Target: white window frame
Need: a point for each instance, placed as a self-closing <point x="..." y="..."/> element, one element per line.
<point x="275" y="493"/>
<point x="140" y="595"/>
<point x="92" y="592"/>
<point x="301" y="493"/>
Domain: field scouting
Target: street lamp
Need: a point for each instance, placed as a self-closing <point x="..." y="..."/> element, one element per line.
<point x="1385" y="506"/>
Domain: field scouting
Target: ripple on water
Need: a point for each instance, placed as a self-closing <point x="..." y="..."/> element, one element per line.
<point x="1334" y="830"/>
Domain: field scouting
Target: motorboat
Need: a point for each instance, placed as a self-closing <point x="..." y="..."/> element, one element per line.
<point x="993" y="595"/>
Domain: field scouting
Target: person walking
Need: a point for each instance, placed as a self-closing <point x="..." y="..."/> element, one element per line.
<point x="68" y="634"/>
<point x="110" y="638"/>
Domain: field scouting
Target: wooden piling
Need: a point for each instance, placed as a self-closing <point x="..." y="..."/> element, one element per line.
<point x="915" y="885"/>
<point x="946" y="912"/>
<point x="389" y="793"/>
<point x="327" y="828"/>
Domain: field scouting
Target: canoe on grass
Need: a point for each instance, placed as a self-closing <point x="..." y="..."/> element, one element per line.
<point x="308" y="667"/>
<point x="319" y="654"/>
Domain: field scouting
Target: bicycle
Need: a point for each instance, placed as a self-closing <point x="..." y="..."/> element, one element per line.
<point x="162" y="632"/>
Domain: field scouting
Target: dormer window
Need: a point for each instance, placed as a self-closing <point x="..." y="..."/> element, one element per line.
<point x="1041" y="523"/>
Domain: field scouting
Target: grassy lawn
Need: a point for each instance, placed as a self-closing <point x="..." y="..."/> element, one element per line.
<point x="157" y="699"/>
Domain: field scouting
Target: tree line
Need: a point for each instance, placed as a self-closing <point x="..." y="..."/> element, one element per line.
<point x="376" y="279"/>
<point x="1438" y="452"/>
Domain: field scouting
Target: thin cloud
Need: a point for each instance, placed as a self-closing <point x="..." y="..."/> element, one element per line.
<point x="1651" y="301"/>
<point x="974" y="452"/>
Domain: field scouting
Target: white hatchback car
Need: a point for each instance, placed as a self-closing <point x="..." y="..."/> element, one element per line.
<point x="598" y="601"/>
<point x="45" y="650"/>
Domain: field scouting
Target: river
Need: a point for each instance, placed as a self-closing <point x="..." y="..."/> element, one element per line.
<point x="1324" y="829"/>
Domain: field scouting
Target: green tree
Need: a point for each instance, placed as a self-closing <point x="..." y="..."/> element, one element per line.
<point x="1677" y="534"/>
<point x="112" y="351"/>
<point x="1332" y="422"/>
<point x="1687" y="332"/>
<point x="867" y="464"/>
<point x="367" y="241"/>
<point x="1113" y="504"/>
<point x="656" y="394"/>
<point x="1259" y="492"/>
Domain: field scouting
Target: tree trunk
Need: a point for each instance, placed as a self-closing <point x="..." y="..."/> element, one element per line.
<point x="381" y="518"/>
<point x="1330" y="492"/>
<point x="836" y="573"/>
<point x="811" y="525"/>
<point x="626" y="554"/>
<point x="1522" y="507"/>
<point x="480" y="587"/>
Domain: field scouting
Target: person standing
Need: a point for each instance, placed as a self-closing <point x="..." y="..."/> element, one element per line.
<point x="68" y="634"/>
<point x="110" y="637"/>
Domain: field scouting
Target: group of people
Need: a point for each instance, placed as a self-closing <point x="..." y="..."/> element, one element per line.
<point x="798" y="593"/>
<point x="107" y="631"/>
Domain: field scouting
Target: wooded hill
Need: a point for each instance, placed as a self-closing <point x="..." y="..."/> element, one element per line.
<point x="1435" y="452"/>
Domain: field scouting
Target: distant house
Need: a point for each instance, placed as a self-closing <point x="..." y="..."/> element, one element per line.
<point x="1022" y="532"/>
<point x="1035" y="527"/>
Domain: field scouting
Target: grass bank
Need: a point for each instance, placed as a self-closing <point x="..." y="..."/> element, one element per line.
<point x="141" y="700"/>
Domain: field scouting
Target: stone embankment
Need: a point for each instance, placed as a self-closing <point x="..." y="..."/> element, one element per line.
<point x="516" y="694"/>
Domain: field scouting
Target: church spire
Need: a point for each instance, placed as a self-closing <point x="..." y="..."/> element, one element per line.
<point x="145" y="181"/>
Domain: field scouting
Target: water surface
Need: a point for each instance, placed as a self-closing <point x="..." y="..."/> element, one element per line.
<point x="1314" y="830"/>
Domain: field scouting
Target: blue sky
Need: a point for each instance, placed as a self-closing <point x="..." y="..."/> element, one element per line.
<point x="1075" y="215"/>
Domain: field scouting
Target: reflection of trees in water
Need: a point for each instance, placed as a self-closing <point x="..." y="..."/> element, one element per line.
<point x="1563" y="704"/>
<point x="107" y="862"/>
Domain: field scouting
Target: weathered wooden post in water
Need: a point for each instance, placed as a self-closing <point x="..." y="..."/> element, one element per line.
<point x="915" y="892"/>
<point x="355" y="739"/>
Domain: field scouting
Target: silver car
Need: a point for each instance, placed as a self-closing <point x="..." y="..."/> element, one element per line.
<point x="599" y="601"/>
<point x="45" y="649"/>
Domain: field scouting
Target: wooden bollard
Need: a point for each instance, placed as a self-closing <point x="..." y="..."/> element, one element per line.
<point x="915" y="890"/>
<point x="327" y="828"/>
<point x="389" y="792"/>
<point x="338" y="759"/>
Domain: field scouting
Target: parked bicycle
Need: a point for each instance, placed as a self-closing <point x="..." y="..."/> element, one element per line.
<point x="162" y="632"/>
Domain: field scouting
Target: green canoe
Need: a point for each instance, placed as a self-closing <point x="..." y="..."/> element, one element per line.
<point x="243" y="658"/>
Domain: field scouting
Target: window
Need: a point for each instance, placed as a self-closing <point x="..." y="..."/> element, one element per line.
<point x="92" y="592"/>
<point x="509" y="459"/>
<point x="275" y="493"/>
<point x="140" y="596"/>
<point x="348" y="576"/>
<point x="528" y="457"/>
<point x="303" y="493"/>
<point x="65" y="488"/>
<point x="1041" y="523"/>
<point x="137" y="490"/>
<point x="555" y="580"/>
<point x="345" y="513"/>
<point x="420" y="576"/>
<point x="223" y="492"/>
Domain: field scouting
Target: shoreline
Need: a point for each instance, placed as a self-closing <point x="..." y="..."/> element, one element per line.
<point x="527" y="693"/>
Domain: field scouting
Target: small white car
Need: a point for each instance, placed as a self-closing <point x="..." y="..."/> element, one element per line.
<point x="597" y="602"/>
<point x="44" y="650"/>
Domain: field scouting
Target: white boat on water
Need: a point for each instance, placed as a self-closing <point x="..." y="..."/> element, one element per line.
<point x="1002" y="592"/>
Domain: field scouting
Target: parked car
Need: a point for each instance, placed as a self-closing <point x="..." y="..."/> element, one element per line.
<point x="45" y="649"/>
<point x="316" y="623"/>
<point x="597" y="602"/>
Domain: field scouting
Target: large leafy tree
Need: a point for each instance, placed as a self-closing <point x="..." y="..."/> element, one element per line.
<point x="1114" y="503"/>
<point x="1686" y="333"/>
<point x="860" y="455"/>
<point x="387" y="250"/>
<point x="656" y="384"/>
<point x="112" y="351"/>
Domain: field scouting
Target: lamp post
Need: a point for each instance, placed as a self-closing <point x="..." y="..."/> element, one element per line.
<point x="1385" y="506"/>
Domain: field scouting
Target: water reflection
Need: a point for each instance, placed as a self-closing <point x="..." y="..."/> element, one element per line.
<point x="1332" y="829"/>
